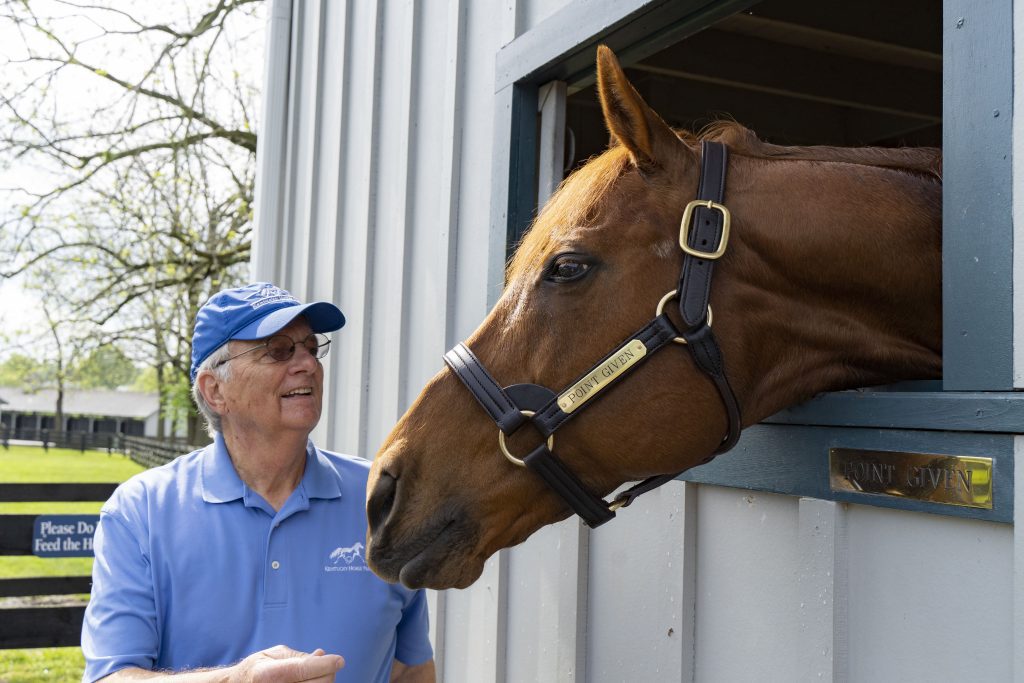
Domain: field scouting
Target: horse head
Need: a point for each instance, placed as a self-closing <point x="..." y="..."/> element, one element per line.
<point x="831" y="280"/>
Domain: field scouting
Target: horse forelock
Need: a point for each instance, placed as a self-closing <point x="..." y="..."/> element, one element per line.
<point x="576" y="202"/>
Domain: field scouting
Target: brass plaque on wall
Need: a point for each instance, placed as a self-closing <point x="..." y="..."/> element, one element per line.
<point x="947" y="479"/>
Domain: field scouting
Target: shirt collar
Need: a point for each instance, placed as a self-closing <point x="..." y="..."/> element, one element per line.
<point x="321" y="479"/>
<point x="221" y="483"/>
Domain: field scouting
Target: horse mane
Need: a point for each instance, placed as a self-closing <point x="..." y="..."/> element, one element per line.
<point x="926" y="161"/>
<point x="574" y="203"/>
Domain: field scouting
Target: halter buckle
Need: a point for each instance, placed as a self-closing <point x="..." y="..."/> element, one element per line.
<point x="684" y="229"/>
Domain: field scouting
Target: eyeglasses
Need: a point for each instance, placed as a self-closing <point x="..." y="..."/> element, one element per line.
<point x="281" y="347"/>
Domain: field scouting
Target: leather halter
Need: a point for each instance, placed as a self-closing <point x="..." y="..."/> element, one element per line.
<point x="705" y="222"/>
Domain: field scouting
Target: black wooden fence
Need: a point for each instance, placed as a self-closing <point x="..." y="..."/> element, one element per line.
<point x="151" y="452"/>
<point x="146" y="451"/>
<point x="59" y="625"/>
<point x="41" y="626"/>
<point x="50" y="438"/>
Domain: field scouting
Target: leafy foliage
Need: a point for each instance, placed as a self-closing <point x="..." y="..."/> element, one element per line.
<point x="106" y="367"/>
<point x="25" y="373"/>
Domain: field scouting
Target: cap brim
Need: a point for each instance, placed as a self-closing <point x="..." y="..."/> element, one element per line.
<point x="321" y="315"/>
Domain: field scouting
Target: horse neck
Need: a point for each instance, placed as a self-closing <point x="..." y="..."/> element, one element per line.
<point x="833" y="282"/>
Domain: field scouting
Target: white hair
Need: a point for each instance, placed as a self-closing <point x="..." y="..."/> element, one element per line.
<point x="214" y="365"/>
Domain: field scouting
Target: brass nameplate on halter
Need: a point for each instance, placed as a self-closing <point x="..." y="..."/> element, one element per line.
<point x="946" y="479"/>
<point x="602" y="376"/>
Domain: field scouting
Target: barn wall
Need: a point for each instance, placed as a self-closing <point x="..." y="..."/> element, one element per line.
<point x="1018" y="208"/>
<point x="530" y="13"/>
<point x="366" y="204"/>
<point x="375" y="192"/>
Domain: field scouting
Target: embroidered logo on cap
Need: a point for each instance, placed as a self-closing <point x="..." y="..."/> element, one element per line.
<point x="269" y="294"/>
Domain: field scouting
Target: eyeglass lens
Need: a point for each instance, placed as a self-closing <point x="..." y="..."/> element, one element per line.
<point x="281" y="347"/>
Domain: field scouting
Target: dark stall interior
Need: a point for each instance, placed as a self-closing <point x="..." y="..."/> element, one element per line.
<point x="795" y="72"/>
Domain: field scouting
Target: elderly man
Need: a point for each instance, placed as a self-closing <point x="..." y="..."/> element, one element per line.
<point x="246" y="556"/>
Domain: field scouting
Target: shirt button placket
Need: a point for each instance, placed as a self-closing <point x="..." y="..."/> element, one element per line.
<point x="275" y="582"/>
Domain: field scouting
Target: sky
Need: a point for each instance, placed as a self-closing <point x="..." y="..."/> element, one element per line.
<point x="18" y="310"/>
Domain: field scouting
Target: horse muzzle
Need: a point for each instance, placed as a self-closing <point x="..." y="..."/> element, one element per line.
<point x="432" y="550"/>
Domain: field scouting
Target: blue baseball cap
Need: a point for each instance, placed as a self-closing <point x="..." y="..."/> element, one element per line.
<point x="254" y="311"/>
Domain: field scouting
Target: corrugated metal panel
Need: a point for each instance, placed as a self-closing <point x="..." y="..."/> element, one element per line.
<point x="1017" y="208"/>
<point x="532" y="12"/>
<point x="1018" y="561"/>
<point x="641" y="606"/>
<point x="933" y="586"/>
<point x="272" y="141"/>
<point x="369" y="206"/>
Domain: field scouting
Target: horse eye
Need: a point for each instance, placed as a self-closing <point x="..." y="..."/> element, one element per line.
<point x="566" y="269"/>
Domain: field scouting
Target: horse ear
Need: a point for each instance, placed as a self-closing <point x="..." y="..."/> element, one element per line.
<point x="629" y="119"/>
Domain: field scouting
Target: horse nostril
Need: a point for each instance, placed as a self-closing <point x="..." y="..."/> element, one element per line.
<point x="381" y="500"/>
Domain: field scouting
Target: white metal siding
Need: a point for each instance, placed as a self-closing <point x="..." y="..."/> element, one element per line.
<point x="928" y="596"/>
<point x="375" y="193"/>
<point x="532" y="12"/>
<point x="1018" y="209"/>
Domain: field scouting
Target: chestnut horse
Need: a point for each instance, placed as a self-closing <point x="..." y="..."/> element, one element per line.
<point x="831" y="280"/>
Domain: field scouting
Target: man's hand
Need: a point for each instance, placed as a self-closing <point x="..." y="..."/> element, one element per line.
<point x="281" y="664"/>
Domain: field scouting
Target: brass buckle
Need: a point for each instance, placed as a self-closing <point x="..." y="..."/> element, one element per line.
<point x="684" y="229"/>
<point x="504" y="449"/>
<point x="668" y="297"/>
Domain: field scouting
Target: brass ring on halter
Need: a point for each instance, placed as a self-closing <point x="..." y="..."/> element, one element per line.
<point x="504" y="449"/>
<point x="668" y="297"/>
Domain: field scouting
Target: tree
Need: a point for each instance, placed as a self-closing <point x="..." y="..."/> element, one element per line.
<point x="106" y="367"/>
<point x="25" y="373"/>
<point x="138" y="135"/>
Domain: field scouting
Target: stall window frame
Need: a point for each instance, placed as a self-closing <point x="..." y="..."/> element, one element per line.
<point x="976" y="393"/>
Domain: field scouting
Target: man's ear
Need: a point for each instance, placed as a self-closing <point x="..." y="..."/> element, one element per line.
<point x="212" y="391"/>
<point x="630" y="120"/>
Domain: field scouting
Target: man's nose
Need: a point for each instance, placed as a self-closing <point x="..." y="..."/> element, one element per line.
<point x="303" y="357"/>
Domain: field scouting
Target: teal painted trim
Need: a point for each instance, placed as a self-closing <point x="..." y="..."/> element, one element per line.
<point x="562" y="47"/>
<point x="948" y="411"/>
<point x="522" y="192"/>
<point x="514" y="163"/>
<point x="977" y="111"/>
<point x="793" y="461"/>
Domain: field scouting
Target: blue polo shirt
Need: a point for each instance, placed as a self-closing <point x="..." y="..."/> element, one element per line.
<point x="194" y="569"/>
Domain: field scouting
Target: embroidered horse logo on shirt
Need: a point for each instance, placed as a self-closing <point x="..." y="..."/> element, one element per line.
<point x="338" y="555"/>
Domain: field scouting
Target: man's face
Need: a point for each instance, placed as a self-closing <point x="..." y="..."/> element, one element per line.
<point x="267" y="395"/>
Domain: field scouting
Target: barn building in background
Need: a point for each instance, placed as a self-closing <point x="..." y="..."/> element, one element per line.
<point x="88" y="411"/>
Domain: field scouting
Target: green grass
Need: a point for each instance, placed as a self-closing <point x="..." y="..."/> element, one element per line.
<point x="31" y="464"/>
<point x="28" y="464"/>
<point x="41" y="664"/>
<point x="50" y="508"/>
